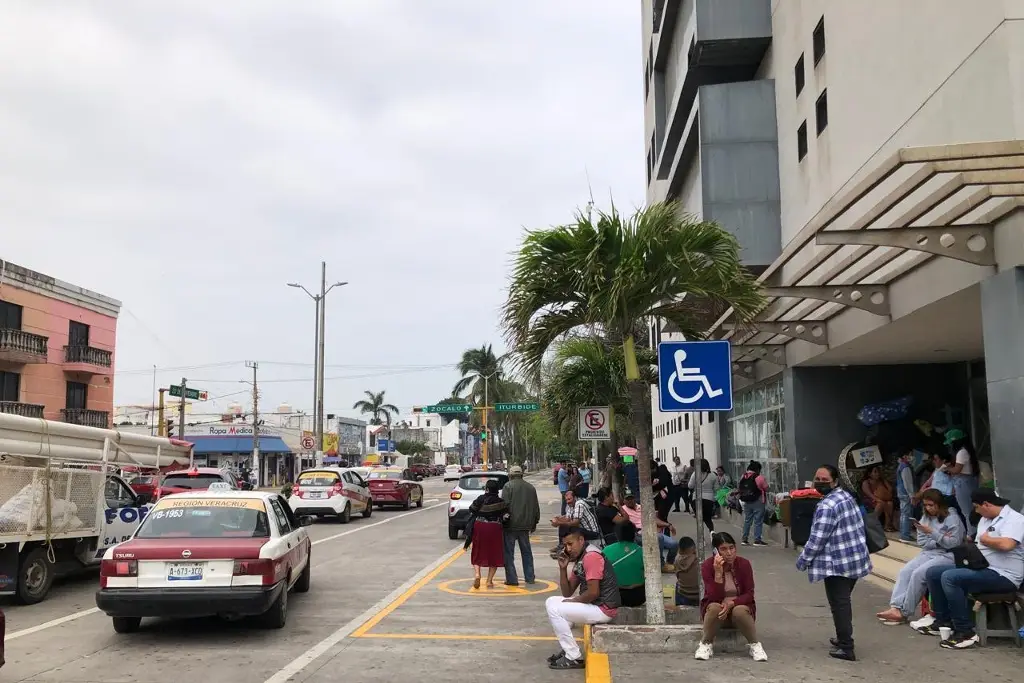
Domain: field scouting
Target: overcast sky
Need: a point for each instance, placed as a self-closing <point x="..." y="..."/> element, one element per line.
<point x="190" y="158"/>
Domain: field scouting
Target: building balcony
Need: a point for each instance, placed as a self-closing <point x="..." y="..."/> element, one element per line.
<point x="18" y="346"/>
<point x="23" y="409"/>
<point x="86" y="418"/>
<point x="87" y="359"/>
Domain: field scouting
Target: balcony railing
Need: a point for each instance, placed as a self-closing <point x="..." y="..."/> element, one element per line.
<point x="88" y="355"/>
<point x="23" y="409"/>
<point x="86" y="418"/>
<point x="18" y="346"/>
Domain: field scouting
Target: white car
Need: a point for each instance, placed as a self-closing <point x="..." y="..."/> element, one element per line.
<point x="207" y="553"/>
<point x="331" y="492"/>
<point x="470" y="487"/>
<point x="452" y="472"/>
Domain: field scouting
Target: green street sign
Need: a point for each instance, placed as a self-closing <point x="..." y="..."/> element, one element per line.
<point x="191" y="394"/>
<point x="449" y="408"/>
<point x="516" y="407"/>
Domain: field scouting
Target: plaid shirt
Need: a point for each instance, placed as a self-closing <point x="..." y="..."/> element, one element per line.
<point x="838" y="545"/>
<point x="587" y="519"/>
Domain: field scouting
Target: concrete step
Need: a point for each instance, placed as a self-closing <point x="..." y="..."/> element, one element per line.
<point x="901" y="551"/>
<point x="886" y="567"/>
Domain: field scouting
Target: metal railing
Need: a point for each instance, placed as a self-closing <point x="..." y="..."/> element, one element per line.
<point x="86" y="418"/>
<point x="23" y="342"/>
<point x="89" y="355"/>
<point x="23" y="409"/>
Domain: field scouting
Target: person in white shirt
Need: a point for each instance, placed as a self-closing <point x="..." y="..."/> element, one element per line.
<point x="964" y="471"/>
<point x="679" y="481"/>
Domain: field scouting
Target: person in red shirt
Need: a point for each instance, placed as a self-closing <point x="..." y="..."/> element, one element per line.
<point x="728" y="598"/>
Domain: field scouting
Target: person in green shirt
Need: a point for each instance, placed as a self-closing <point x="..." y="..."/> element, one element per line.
<point x="627" y="560"/>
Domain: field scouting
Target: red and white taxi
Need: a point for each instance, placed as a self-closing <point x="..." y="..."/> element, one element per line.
<point x="218" y="552"/>
<point x="331" y="492"/>
<point x="395" y="487"/>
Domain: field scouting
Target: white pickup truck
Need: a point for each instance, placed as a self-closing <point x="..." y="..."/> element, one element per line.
<point x="62" y="503"/>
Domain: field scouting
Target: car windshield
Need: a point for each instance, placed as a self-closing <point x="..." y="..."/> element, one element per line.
<point x="191" y="481"/>
<point x="477" y="483"/>
<point x="391" y="476"/>
<point x="318" y="479"/>
<point x="206" y="518"/>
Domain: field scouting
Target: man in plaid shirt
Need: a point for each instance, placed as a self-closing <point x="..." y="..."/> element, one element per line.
<point x="836" y="553"/>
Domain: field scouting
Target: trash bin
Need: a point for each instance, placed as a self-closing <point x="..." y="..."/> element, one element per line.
<point x="801" y="512"/>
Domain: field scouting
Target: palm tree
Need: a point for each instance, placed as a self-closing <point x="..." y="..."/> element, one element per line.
<point x="373" y="405"/>
<point x="609" y="273"/>
<point x="480" y="370"/>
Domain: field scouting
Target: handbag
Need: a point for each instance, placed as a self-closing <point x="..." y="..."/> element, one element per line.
<point x="469" y="532"/>
<point x="969" y="556"/>
<point x="874" y="532"/>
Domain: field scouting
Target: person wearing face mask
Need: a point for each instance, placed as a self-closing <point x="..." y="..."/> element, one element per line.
<point x="837" y="555"/>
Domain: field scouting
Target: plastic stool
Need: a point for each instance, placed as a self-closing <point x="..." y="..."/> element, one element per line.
<point x="1010" y="602"/>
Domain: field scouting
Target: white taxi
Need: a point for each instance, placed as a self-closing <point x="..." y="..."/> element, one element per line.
<point x="331" y="492"/>
<point x="208" y="553"/>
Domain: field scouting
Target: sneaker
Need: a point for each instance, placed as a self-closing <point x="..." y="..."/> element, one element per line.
<point x="757" y="652"/>
<point x="960" y="641"/>
<point x="760" y="544"/>
<point x="923" y="622"/>
<point x="705" y="651"/>
<point x="563" y="663"/>
<point x="555" y="657"/>
<point x="932" y="630"/>
<point x="744" y="542"/>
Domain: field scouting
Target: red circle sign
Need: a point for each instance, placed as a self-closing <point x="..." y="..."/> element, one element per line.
<point x="594" y="420"/>
<point x="308" y="442"/>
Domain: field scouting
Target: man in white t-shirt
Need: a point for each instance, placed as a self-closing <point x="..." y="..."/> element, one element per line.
<point x="1001" y="542"/>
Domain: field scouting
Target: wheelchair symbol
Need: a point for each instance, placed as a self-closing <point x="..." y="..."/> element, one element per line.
<point x="690" y="375"/>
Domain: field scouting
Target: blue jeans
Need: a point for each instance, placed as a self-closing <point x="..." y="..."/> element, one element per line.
<point x="949" y="586"/>
<point x="906" y="515"/>
<point x="667" y="546"/>
<point x="523" y="539"/>
<point x="963" y="487"/>
<point x="753" y="514"/>
<point x="682" y="600"/>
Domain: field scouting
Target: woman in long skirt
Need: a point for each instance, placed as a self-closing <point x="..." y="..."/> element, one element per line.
<point x="488" y="536"/>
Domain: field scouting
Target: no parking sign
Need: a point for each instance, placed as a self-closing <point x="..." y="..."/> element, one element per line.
<point x="595" y="423"/>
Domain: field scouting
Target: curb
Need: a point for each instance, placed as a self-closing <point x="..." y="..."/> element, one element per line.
<point x="598" y="667"/>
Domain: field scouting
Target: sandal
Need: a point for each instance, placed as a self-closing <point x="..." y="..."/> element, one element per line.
<point x="564" y="663"/>
<point x="476" y="583"/>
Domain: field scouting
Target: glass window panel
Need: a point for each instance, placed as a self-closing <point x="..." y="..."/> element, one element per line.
<point x="773" y="394"/>
<point x="758" y="398"/>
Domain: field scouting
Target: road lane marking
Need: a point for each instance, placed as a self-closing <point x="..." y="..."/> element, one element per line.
<point x="94" y="610"/>
<point x="499" y="591"/>
<point x="452" y="636"/>
<point x="401" y="593"/>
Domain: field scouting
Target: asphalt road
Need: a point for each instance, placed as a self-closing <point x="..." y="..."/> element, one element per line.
<point x="390" y="599"/>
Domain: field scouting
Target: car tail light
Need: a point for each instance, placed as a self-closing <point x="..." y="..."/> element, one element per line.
<point x="295" y="491"/>
<point x="455" y="495"/>
<point x="117" y="568"/>
<point x="261" y="568"/>
<point x="337" y="489"/>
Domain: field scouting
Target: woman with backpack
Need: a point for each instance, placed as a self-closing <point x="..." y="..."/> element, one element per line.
<point x="753" y="492"/>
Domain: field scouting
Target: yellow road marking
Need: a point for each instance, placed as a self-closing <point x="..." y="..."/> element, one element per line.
<point x="454" y="636"/>
<point x="499" y="591"/>
<point x="401" y="599"/>
<point x="599" y="670"/>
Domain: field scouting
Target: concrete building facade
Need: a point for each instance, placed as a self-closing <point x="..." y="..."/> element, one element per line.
<point x="869" y="158"/>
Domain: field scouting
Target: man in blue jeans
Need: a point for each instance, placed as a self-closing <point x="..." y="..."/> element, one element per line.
<point x="524" y="515"/>
<point x="1001" y="542"/>
<point x="904" y="490"/>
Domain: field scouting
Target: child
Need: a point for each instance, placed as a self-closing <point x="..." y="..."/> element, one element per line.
<point x="687" y="569"/>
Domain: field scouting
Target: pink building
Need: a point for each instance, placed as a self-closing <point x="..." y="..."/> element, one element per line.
<point x="56" y="348"/>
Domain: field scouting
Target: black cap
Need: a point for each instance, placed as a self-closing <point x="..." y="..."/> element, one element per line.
<point x="982" y="496"/>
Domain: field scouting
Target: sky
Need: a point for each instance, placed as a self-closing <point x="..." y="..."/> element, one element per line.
<point x="190" y="158"/>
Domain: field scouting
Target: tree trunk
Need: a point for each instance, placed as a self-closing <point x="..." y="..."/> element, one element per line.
<point x="652" y="553"/>
<point x="613" y="468"/>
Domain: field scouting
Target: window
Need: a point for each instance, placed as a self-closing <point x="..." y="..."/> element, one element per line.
<point x="78" y="334"/>
<point x="801" y="141"/>
<point x="118" y="495"/>
<point x="686" y="422"/>
<point x="711" y="418"/>
<point x="77" y="396"/>
<point x="680" y="418"/>
<point x="821" y="112"/>
<point x="10" y="386"/>
<point x="798" y="75"/>
<point x="818" y="40"/>
<point x="10" y="316"/>
<point x="283" y="524"/>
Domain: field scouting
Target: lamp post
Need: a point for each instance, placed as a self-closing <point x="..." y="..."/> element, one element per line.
<point x="318" y="356"/>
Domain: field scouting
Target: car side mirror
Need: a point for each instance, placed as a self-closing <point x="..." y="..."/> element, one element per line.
<point x="143" y="499"/>
<point x="306" y="520"/>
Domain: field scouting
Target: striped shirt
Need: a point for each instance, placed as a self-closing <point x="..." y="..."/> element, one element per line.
<point x="838" y="544"/>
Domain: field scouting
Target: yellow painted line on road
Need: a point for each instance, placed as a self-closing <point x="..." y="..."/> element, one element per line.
<point x="598" y="669"/>
<point x="401" y="599"/>
<point x="455" y="636"/>
<point x="499" y="591"/>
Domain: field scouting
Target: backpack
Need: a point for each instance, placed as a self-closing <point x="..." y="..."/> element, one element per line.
<point x="749" y="490"/>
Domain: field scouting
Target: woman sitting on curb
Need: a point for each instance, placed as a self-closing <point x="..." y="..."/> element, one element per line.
<point x="728" y="598"/>
<point x="938" y="533"/>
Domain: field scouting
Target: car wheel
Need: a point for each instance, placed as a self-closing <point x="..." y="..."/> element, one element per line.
<point x="408" y="503"/>
<point x="368" y="510"/>
<point x="277" y="615"/>
<point x="419" y="501"/>
<point x="302" y="585"/>
<point x="127" y="624"/>
<point x="35" y="577"/>
<point x="453" y="532"/>
<point x="346" y="514"/>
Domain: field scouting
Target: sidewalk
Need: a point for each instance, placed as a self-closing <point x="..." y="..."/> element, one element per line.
<point x="795" y="624"/>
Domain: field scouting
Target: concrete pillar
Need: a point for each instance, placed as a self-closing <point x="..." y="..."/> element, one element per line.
<point x="1002" y="315"/>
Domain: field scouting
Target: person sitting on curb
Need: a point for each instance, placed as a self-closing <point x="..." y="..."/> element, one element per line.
<point x="938" y="533"/>
<point x="687" y="569"/>
<point x="999" y="563"/>
<point x="597" y="603"/>
<point x="578" y="515"/>
<point x="728" y="598"/>
<point x="667" y="545"/>
<point x="627" y="560"/>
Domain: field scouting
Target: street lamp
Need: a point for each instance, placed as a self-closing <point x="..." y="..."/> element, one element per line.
<point x="318" y="356"/>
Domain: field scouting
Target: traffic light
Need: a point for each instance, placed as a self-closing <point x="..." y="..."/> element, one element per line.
<point x="483" y="435"/>
<point x="170" y="429"/>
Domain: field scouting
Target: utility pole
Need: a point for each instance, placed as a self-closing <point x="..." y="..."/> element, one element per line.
<point x="181" y="410"/>
<point x="161" y="423"/>
<point x="320" y="369"/>
<point x="255" y="420"/>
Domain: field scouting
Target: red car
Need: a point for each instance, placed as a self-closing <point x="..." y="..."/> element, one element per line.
<point x="196" y="479"/>
<point x="395" y="487"/>
<point x="145" y="484"/>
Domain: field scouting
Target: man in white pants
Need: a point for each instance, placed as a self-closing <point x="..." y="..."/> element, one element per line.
<point x="597" y="602"/>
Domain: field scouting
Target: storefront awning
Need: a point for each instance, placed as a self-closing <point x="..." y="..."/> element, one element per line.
<point x="236" y="444"/>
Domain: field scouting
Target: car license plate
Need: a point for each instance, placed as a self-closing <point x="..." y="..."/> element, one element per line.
<point x="316" y="495"/>
<point x="185" y="571"/>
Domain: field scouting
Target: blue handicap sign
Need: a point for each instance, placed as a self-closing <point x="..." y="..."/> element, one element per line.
<point x="695" y="376"/>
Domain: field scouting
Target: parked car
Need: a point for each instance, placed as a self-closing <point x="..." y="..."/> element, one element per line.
<point x="331" y="492"/>
<point x="420" y="472"/>
<point x="469" y="488"/>
<point x="395" y="487"/>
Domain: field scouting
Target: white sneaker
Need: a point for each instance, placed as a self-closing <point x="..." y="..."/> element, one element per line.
<point x="757" y="652"/>
<point x="924" y="622"/>
<point x="704" y="651"/>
